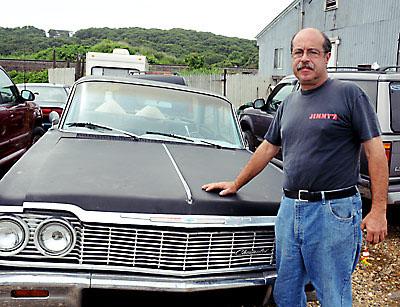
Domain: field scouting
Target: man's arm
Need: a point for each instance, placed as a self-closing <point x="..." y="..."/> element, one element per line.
<point x="259" y="160"/>
<point x="375" y="222"/>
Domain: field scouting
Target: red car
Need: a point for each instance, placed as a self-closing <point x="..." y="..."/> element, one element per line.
<point x="20" y="122"/>
<point x="50" y="97"/>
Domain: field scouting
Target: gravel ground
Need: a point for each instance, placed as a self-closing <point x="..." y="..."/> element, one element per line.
<point x="378" y="284"/>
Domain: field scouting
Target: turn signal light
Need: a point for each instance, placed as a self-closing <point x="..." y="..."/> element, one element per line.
<point x="29" y="293"/>
<point x="388" y="150"/>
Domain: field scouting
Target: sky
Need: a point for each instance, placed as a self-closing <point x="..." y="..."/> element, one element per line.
<point x="244" y="19"/>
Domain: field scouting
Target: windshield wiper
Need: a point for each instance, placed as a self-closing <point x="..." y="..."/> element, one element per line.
<point x="95" y="126"/>
<point x="181" y="137"/>
<point x="171" y="135"/>
<point x="212" y="144"/>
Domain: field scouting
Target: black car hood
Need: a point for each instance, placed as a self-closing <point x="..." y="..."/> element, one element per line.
<point x="115" y="174"/>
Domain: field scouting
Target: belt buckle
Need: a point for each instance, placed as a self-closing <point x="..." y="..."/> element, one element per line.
<point x="299" y="197"/>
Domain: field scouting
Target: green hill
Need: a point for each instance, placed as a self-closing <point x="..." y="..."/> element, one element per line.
<point x="175" y="46"/>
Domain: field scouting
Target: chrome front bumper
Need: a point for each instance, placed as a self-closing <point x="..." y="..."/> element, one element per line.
<point x="65" y="289"/>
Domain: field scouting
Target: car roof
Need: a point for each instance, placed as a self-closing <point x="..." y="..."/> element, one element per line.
<point x="148" y="82"/>
<point x="288" y="79"/>
<point x="365" y="75"/>
<point x="43" y="84"/>
<point x="174" y="79"/>
<point x="374" y="75"/>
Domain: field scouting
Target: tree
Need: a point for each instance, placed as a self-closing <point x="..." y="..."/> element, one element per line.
<point x="195" y="61"/>
<point x="175" y="46"/>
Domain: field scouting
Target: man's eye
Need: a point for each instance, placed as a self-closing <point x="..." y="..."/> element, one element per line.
<point x="314" y="52"/>
<point x="298" y="53"/>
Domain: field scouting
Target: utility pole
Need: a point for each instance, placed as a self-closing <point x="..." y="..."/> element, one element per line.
<point x="302" y="13"/>
<point x="224" y="80"/>
<point x="398" y="54"/>
<point x="78" y="67"/>
<point x="54" y="58"/>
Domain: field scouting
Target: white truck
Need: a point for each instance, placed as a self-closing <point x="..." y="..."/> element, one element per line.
<point x="117" y="63"/>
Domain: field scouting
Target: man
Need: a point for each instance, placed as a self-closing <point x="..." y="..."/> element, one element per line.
<point x="320" y="129"/>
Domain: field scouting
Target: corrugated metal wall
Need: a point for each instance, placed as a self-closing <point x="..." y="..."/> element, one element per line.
<point x="368" y="31"/>
<point x="278" y="36"/>
<point x="239" y="88"/>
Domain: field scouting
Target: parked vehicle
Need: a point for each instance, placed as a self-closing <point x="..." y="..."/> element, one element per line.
<point x="50" y="97"/>
<point x="118" y="63"/>
<point x="255" y="120"/>
<point x="243" y="106"/>
<point x="383" y="89"/>
<point x="20" y="122"/>
<point x="174" y="79"/>
<point x="124" y="209"/>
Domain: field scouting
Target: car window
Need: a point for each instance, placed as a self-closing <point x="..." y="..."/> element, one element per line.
<point x="139" y="109"/>
<point x="276" y="99"/>
<point x="114" y="71"/>
<point x="8" y="91"/>
<point x="47" y="93"/>
<point x="370" y="88"/>
<point x="395" y="105"/>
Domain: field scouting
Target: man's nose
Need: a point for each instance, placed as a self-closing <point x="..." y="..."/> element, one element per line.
<point x="305" y="57"/>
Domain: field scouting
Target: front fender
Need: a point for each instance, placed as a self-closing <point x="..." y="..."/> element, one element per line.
<point x="246" y="123"/>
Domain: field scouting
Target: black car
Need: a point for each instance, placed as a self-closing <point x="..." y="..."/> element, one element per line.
<point x="111" y="200"/>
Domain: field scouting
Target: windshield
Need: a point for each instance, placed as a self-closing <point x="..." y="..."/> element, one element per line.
<point x="114" y="71"/>
<point x="282" y="93"/>
<point x="47" y="93"/>
<point x="153" y="112"/>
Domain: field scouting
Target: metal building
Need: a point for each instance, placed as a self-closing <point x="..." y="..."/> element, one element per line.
<point x="362" y="32"/>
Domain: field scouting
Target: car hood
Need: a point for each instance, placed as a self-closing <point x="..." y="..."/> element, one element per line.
<point x="50" y="104"/>
<point x="103" y="173"/>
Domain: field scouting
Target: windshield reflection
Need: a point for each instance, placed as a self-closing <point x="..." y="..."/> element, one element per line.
<point x="139" y="109"/>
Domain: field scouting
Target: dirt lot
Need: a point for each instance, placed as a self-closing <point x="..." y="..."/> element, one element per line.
<point x="378" y="284"/>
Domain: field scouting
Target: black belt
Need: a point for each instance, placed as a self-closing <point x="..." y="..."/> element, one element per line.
<point x="305" y="195"/>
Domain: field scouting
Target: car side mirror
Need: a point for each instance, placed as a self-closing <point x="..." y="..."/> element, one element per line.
<point x="54" y="118"/>
<point x="258" y="103"/>
<point x="27" y="95"/>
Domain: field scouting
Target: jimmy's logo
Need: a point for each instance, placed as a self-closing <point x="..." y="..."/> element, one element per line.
<point x="323" y="116"/>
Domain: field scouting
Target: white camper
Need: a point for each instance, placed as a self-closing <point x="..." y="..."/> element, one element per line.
<point x="118" y="63"/>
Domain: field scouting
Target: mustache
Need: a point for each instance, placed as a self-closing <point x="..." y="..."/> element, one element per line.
<point x="308" y="65"/>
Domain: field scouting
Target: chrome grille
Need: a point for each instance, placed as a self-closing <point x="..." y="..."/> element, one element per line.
<point x="159" y="250"/>
<point x="176" y="250"/>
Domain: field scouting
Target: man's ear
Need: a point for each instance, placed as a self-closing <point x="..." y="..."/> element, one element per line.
<point x="327" y="57"/>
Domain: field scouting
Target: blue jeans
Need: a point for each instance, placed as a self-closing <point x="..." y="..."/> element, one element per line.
<point x="318" y="242"/>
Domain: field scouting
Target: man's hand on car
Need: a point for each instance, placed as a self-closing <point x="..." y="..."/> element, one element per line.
<point x="226" y="187"/>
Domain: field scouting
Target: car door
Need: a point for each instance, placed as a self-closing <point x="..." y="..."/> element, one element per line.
<point x="5" y="99"/>
<point x="14" y="125"/>
<point x="267" y="112"/>
<point x="4" y="138"/>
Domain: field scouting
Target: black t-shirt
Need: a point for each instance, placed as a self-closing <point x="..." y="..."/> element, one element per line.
<point x="321" y="132"/>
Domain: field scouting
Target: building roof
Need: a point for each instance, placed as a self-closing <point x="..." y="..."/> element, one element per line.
<point x="277" y="18"/>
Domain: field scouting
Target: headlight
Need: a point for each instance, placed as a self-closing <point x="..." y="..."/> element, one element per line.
<point x="55" y="237"/>
<point x="14" y="235"/>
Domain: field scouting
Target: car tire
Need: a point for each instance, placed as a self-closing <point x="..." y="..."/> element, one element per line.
<point x="37" y="134"/>
<point x="251" y="142"/>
